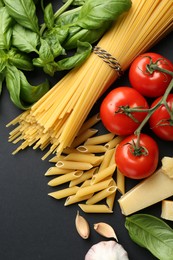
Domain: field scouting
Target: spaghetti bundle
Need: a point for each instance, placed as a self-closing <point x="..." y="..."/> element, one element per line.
<point x="57" y="117"/>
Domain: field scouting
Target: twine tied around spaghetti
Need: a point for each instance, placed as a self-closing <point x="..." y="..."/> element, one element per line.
<point x="109" y="59"/>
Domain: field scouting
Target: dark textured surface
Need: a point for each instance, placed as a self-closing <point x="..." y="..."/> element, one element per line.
<point x="33" y="225"/>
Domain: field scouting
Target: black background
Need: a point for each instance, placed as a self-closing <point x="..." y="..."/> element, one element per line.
<point x="35" y="226"/>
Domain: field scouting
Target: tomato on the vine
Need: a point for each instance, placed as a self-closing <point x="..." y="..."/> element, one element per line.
<point x="115" y="110"/>
<point x="137" y="161"/>
<point x="144" y="78"/>
<point x="161" y="121"/>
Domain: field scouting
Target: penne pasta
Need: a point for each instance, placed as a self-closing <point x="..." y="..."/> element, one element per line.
<point x="81" y="157"/>
<point x="71" y="165"/>
<point x="64" y="192"/>
<point x="110" y="200"/>
<point x="100" y="139"/>
<point x="92" y="148"/>
<point x="93" y="188"/>
<point x="106" y="159"/>
<point x="98" y="208"/>
<point x="101" y="195"/>
<point x="120" y="182"/>
<point x="85" y="176"/>
<point x="83" y="137"/>
<point x="114" y="142"/>
<point x="103" y="174"/>
<point x="74" y="199"/>
<point x="65" y="178"/>
<point x="89" y="123"/>
<point x="56" y="171"/>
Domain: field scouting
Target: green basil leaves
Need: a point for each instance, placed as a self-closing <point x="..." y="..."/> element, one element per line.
<point x="152" y="233"/>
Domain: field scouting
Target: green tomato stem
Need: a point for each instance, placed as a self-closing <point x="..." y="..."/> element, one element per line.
<point x="152" y="110"/>
<point x="154" y="67"/>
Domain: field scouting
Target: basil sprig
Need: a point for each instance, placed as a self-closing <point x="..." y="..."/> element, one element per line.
<point x="151" y="233"/>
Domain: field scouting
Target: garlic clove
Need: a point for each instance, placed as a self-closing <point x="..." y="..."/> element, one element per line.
<point x="105" y="250"/>
<point x="82" y="226"/>
<point x="105" y="230"/>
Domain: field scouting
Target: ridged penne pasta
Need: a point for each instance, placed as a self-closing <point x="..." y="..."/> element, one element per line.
<point x="74" y="199"/>
<point x="98" y="208"/>
<point x="71" y="165"/>
<point x="92" y="148"/>
<point x="114" y="142"/>
<point x="89" y="123"/>
<point x="120" y="182"/>
<point x="63" y="193"/>
<point x="103" y="174"/>
<point x="56" y="171"/>
<point x="85" y="176"/>
<point x="100" y="139"/>
<point x="110" y="200"/>
<point x="65" y="178"/>
<point x="83" y="137"/>
<point x="106" y="159"/>
<point x="81" y="157"/>
<point x="99" y="196"/>
<point x="93" y="188"/>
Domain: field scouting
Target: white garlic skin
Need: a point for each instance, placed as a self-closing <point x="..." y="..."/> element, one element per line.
<point x="107" y="250"/>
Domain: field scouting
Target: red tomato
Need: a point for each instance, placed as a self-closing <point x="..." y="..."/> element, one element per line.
<point x="150" y="84"/>
<point x="111" y="110"/>
<point x="161" y="122"/>
<point x="134" y="163"/>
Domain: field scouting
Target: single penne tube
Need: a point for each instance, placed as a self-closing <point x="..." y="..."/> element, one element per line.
<point x="65" y="178"/>
<point x="101" y="195"/>
<point x="81" y="157"/>
<point x="56" y="171"/>
<point x="56" y="158"/>
<point x="97" y="208"/>
<point x="103" y="174"/>
<point x="112" y="160"/>
<point x="89" y="123"/>
<point x="100" y="139"/>
<point x="110" y="200"/>
<point x="71" y="165"/>
<point x="113" y="143"/>
<point x="120" y="180"/>
<point x="63" y="193"/>
<point x="86" y="183"/>
<point x="74" y="199"/>
<point x="106" y="159"/>
<point x="93" y="188"/>
<point x="85" y="176"/>
<point x="92" y="148"/>
<point x="69" y="150"/>
<point x="83" y="137"/>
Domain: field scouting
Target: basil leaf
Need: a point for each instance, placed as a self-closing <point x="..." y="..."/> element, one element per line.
<point x="1" y="3"/>
<point x="1" y="81"/>
<point x="19" y="60"/>
<point x="84" y="35"/>
<point x="45" y="51"/>
<point x="83" y="51"/>
<point x="5" y="29"/>
<point x="24" y="39"/>
<point x="24" y="12"/>
<point x="151" y="233"/>
<point x="3" y="60"/>
<point x="29" y="93"/>
<point x="94" y="13"/>
<point x="13" y="86"/>
<point x="22" y="94"/>
<point x="68" y="17"/>
<point x="49" y="16"/>
<point x="54" y="45"/>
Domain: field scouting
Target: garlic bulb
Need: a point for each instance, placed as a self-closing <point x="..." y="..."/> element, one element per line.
<point x="107" y="250"/>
